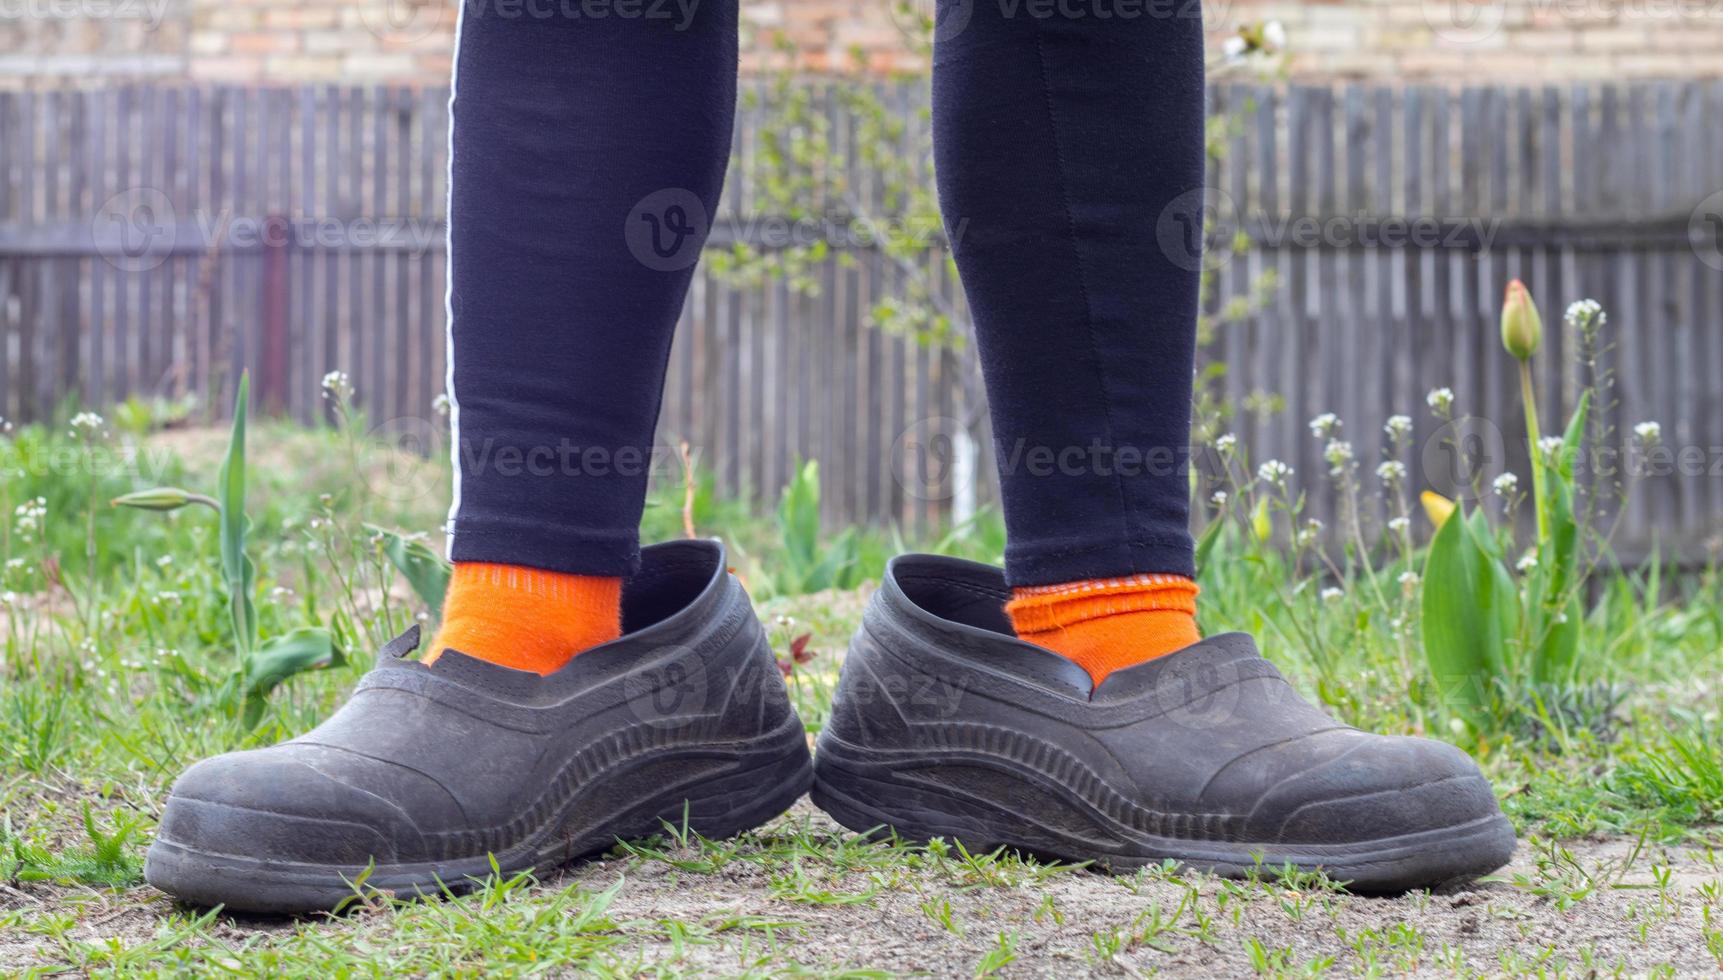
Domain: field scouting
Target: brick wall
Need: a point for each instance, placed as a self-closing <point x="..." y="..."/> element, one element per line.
<point x="408" y="41"/>
<point x="1531" y="40"/>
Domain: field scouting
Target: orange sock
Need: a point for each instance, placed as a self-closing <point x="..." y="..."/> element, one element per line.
<point x="526" y="618"/>
<point x="1105" y="624"/>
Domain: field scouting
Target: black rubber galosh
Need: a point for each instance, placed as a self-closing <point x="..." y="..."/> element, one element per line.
<point x="946" y="725"/>
<point x="429" y="772"/>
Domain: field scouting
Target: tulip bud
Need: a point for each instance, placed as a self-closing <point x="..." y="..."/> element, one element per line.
<point x="1260" y="521"/>
<point x="163" y="498"/>
<point x="1437" y="507"/>
<point x="1522" y="327"/>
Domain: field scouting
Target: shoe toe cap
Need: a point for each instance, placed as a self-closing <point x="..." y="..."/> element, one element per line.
<point x="1380" y="788"/>
<point x="279" y="804"/>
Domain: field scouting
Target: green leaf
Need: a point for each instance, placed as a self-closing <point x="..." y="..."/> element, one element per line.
<point x="424" y="569"/>
<point x="1470" y="609"/>
<point x="1575" y="434"/>
<point x="803" y="565"/>
<point x="1206" y="543"/>
<point x="1479" y="525"/>
<point x="1557" y="612"/>
<point x="799" y="516"/>
<point x="836" y="566"/>
<point x="306" y="648"/>
<point x="236" y="567"/>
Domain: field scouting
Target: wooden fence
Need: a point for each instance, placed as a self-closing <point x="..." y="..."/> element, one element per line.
<point x="157" y="240"/>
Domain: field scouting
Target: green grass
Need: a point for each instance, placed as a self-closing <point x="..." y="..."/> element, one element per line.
<point x="112" y="661"/>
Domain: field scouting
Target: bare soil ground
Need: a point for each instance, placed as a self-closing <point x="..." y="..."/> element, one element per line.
<point x="1611" y="906"/>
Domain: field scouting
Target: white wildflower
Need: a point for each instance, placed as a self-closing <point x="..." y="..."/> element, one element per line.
<point x="1549" y="447"/>
<point x="442" y="405"/>
<point x="1398" y="426"/>
<point x="8" y="598"/>
<point x="1332" y="594"/>
<point x="1324" y="425"/>
<point x="1273" y="472"/>
<point x="1338" y="454"/>
<point x="1392" y="471"/>
<point x="1506" y="484"/>
<point x="30" y="517"/>
<point x="1234" y="48"/>
<point x="1219" y="499"/>
<point x="337" y="386"/>
<point x="1440" y="399"/>
<point x="1650" y="433"/>
<point x="1527" y="562"/>
<point x="1226" y="444"/>
<point x="1308" y="533"/>
<point x="1409" y="582"/>
<point x="164" y="561"/>
<point x="1586" y="311"/>
<point x="1399" y="525"/>
<point x="1274" y="35"/>
<point x="87" y="425"/>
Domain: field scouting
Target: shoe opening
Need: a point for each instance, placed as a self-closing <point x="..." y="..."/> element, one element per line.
<point x="960" y="591"/>
<point x="671" y="576"/>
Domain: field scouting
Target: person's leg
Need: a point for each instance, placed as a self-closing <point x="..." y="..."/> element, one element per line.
<point x="586" y="156"/>
<point x="1070" y="153"/>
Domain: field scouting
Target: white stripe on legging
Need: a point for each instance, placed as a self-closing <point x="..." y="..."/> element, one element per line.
<point x="449" y="292"/>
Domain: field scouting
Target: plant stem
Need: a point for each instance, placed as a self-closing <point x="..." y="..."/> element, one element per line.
<point x="90" y="544"/>
<point x="1532" y="437"/>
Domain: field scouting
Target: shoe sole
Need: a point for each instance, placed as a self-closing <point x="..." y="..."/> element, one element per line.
<point x="985" y="805"/>
<point x="722" y="790"/>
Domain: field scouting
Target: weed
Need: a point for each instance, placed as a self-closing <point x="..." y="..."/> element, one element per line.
<point x="107" y="858"/>
<point x="1003" y="954"/>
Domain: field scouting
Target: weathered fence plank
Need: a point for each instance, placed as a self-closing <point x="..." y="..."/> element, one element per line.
<point x="134" y="262"/>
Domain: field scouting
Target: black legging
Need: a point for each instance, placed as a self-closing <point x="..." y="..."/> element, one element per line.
<point x="588" y="153"/>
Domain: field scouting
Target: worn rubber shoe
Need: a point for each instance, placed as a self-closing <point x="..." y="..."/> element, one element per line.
<point x="946" y="725"/>
<point x="427" y="772"/>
